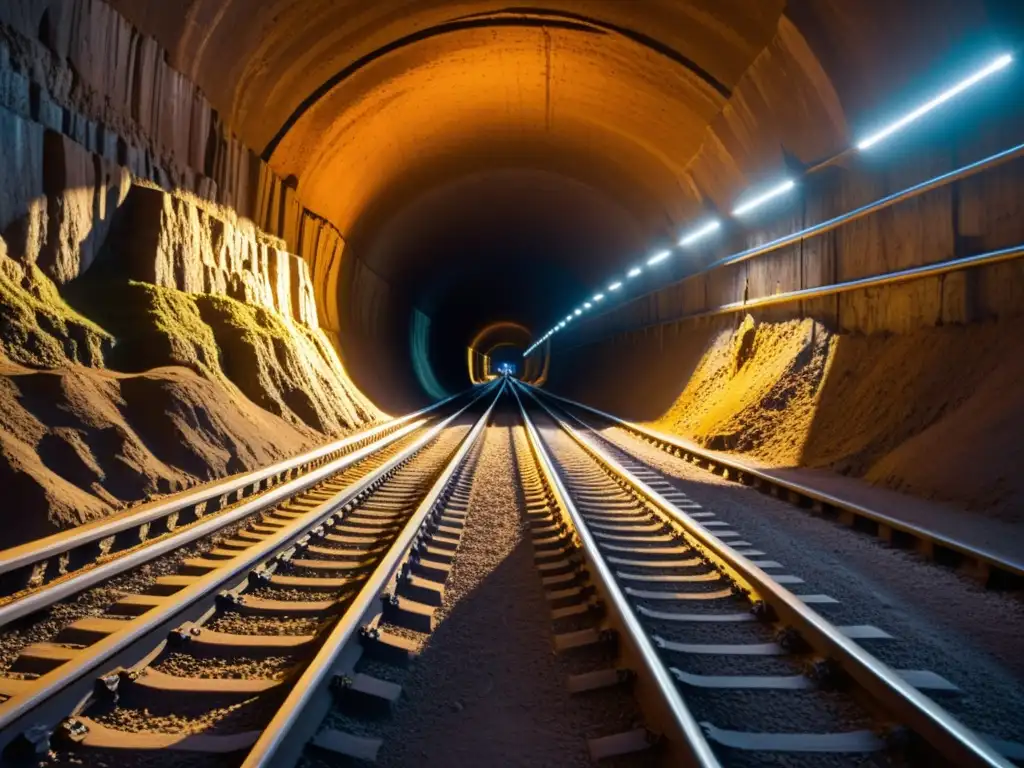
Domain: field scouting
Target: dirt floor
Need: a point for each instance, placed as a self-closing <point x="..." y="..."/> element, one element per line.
<point x="138" y="391"/>
<point x="936" y="413"/>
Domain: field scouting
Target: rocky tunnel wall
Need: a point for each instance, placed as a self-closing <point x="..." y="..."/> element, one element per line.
<point x="158" y="324"/>
<point x="89" y="103"/>
<point x="376" y="118"/>
<point x="975" y="215"/>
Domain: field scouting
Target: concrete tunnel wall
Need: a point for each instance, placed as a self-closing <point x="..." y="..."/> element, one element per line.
<point x="363" y="135"/>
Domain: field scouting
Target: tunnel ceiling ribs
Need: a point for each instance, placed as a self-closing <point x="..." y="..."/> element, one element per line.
<point x="609" y="112"/>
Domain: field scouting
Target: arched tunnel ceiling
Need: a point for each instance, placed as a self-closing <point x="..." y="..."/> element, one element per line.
<point x="260" y="61"/>
<point x="486" y="160"/>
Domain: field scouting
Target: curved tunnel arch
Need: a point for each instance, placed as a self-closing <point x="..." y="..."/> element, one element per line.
<point x="502" y="334"/>
<point x="594" y="119"/>
<point x="485" y="161"/>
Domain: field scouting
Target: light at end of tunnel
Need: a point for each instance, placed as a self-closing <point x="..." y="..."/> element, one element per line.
<point x="587" y="305"/>
<point x="764" y="197"/>
<point x="1000" y="63"/>
<point x="658" y="258"/>
<point x="634" y="272"/>
<point x="599" y="297"/>
<point x="614" y="286"/>
<point x="578" y="312"/>
<point x="697" y="234"/>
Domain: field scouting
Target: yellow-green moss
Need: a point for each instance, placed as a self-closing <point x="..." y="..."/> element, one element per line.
<point x="38" y="328"/>
<point x="152" y="326"/>
<point x="284" y="367"/>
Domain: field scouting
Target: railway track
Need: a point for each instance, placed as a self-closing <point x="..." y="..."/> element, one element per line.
<point x="216" y="660"/>
<point x="994" y="570"/>
<point x="728" y="663"/>
<point x="237" y="654"/>
<point x="40" y="573"/>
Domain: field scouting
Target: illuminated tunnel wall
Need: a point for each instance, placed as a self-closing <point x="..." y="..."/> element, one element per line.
<point x="484" y="162"/>
<point x="499" y="341"/>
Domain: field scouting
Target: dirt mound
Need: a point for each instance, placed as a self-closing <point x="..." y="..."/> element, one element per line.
<point x="754" y="390"/>
<point x="132" y="391"/>
<point x="280" y="365"/>
<point x="77" y="443"/>
<point x="286" y="368"/>
<point x="936" y="413"/>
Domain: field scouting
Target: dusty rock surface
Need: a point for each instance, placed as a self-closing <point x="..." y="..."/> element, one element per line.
<point x="935" y="413"/>
<point x="139" y="391"/>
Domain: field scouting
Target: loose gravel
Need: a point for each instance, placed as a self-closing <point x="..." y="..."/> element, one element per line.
<point x="187" y="665"/>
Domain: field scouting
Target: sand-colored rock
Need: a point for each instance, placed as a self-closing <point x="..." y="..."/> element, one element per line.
<point x="934" y="413"/>
<point x="83" y="192"/>
<point x="282" y="366"/>
<point x="176" y="241"/>
<point x="77" y="443"/>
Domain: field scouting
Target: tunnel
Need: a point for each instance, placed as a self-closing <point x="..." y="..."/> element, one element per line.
<point x="483" y="163"/>
<point x="775" y="241"/>
<point x="487" y="163"/>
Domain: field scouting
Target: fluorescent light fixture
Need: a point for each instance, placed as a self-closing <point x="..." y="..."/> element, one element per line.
<point x="697" y="234"/>
<point x="599" y="297"/>
<point x="614" y="286"/>
<point x="1001" y="63"/>
<point x="634" y="272"/>
<point x="568" y="318"/>
<point x="587" y="305"/>
<point x="658" y="258"/>
<point x="761" y="199"/>
<point x="578" y="312"/>
<point x="562" y="324"/>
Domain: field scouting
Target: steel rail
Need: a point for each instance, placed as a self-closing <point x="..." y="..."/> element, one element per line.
<point x="947" y="735"/>
<point x="86" y="577"/>
<point x="816" y="230"/>
<point x="741" y="470"/>
<point x="987" y="259"/>
<point x="58" y="544"/>
<point x="89" y="577"/>
<point x="266" y="749"/>
<point x="966" y="171"/>
<point x="872" y="281"/>
<point x="689" y="743"/>
<point x="19" y="708"/>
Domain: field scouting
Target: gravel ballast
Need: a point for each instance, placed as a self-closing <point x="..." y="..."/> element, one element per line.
<point x="940" y="620"/>
<point x="487" y="688"/>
